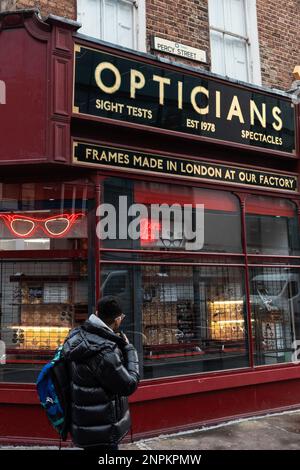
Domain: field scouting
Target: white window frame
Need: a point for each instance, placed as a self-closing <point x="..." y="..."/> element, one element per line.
<point x="252" y="28"/>
<point x="139" y="22"/>
<point x="251" y="40"/>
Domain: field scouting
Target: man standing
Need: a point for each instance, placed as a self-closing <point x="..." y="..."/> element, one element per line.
<point x="104" y="371"/>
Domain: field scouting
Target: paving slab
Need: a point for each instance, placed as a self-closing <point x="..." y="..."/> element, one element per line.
<point x="272" y="432"/>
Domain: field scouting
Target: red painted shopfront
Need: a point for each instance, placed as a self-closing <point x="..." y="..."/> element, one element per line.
<point x="216" y="324"/>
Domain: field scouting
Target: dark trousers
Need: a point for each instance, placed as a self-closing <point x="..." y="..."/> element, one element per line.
<point x="102" y="448"/>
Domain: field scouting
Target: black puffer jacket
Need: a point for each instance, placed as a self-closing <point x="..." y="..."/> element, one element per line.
<point x="104" y="371"/>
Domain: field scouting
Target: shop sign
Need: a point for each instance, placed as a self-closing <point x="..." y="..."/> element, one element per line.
<point x="100" y="156"/>
<point x="181" y="101"/>
<point x="175" y="48"/>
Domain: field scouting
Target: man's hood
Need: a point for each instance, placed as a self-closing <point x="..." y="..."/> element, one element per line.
<point x="88" y="340"/>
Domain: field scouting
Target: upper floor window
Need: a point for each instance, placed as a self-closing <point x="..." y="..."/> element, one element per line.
<point x="234" y="39"/>
<point x="117" y="21"/>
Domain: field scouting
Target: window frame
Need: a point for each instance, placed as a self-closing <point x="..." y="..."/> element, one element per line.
<point x="251" y="42"/>
<point x="245" y="260"/>
<point x="139" y="23"/>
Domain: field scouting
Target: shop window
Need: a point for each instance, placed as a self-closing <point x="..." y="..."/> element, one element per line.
<point x="115" y="283"/>
<point x="43" y="216"/>
<point x="234" y="39"/>
<point x="272" y="226"/>
<point x="191" y="317"/>
<point x="120" y="22"/>
<point x="183" y="319"/>
<point x="43" y="271"/>
<point x="221" y="223"/>
<point x="275" y="300"/>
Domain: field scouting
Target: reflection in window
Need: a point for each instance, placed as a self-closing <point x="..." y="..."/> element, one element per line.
<point x="183" y="319"/>
<point x="272" y="226"/>
<point x="222" y="224"/>
<point x="275" y="296"/>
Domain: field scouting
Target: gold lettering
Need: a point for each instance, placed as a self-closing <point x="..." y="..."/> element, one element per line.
<point x="162" y="82"/>
<point x="254" y="111"/>
<point x="171" y="166"/>
<point x="276" y="111"/>
<point x="98" y="71"/>
<point x="149" y="162"/>
<point x="103" y="156"/>
<point x="180" y="95"/>
<point x="88" y="152"/>
<point x="229" y="174"/>
<point x="194" y="92"/>
<point x="218" y="104"/>
<point x="137" y="81"/>
<point x="235" y="110"/>
<point x="95" y="155"/>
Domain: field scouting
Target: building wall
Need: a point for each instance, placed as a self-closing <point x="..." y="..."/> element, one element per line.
<point x="187" y="21"/>
<point x="66" y="8"/>
<point x="278" y="29"/>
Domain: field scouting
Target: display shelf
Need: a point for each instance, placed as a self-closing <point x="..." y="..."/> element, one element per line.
<point x="48" y="278"/>
<point x="17" y="304"/>
<point x="46" y="310"/>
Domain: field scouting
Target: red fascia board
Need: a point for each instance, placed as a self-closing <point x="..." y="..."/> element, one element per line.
<point x="26" y="393"/>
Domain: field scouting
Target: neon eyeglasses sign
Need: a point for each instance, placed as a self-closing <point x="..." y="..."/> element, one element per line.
<point x="56" y="226"/>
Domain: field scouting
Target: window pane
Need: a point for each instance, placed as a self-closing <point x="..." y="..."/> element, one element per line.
<point x="275" y="294"/>
<point x="183" y="319"/>
<point x="119" y="22"/>
<point x="88" y="14"/>
<point x="229" y="53"/>
<point x="111" y="21"/>
<point x="228" y="15"/>
<point x="43" y="216"/>
<point x="42" y="294"/>
<point x="125" y="24"/>
<point x="217" y="53"/>
<point x="216" y="13"/>
<point x="272" y="226"/>
<point x="236" y="58"/>
<point x="235" y="16"/>
<point x="229" y="56"/>
<point x="40" y="302"/>
<point x="221" y="222"/>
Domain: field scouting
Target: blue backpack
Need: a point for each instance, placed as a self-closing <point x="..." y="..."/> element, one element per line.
<point x="53" y="388"/>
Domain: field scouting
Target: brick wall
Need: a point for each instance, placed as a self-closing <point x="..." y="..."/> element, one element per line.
<point x="66" y="8"/>
<point x="186" y="21"/>
<point x="278" y="29"/>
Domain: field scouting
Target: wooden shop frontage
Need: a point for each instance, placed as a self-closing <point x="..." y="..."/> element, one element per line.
<point x="86" y="127"/>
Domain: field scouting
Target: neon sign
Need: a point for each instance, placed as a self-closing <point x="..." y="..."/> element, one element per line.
<point x="56" y="226"/>
<point x="149" y="231"/>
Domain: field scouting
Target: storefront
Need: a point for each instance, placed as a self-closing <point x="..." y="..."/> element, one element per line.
<point x="214" y="315"/>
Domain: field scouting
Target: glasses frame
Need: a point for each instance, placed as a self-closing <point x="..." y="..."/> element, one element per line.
<point x="40" y="223"/>
<point x="172" y="242"/>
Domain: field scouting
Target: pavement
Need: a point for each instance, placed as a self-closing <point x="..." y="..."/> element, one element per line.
<point x="272" y="432"/>
<point x="279" y="431"/>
